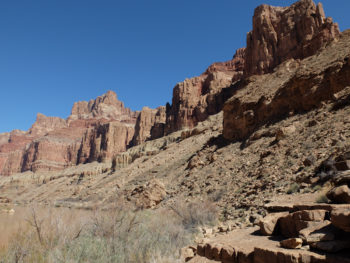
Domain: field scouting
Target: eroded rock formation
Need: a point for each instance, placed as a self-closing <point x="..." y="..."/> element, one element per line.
<point x="282" y="33"/>
<point x="96" y="130"/>
<point x="197" y="98"/>
<point x="295" y="87"/>
<point x="149" y="125"/>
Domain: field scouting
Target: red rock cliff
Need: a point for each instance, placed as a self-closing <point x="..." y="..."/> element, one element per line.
<point x="96" y="130"/>
<point x="281" y="33"/>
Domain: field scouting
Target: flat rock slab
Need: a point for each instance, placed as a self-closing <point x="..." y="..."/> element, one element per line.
<point x="246" y="246"/>
<point x="288" y="207"/>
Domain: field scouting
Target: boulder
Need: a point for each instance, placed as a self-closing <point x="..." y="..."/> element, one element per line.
<point x="340" y="218"/>
<point x="292" y="243"/>
<point x="149" y="195"/>
<point x="339" y="194"/>
<point x="291" y="224"/>
<point x="332" y="246"/>
<point x="269" y="224"/>
<point x="187" y="253"/>
<point x="322" y="231"/>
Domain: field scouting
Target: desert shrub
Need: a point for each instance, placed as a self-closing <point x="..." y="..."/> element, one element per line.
<point x="317" y="188"/>
<point x="293" y="188"/>
<point x="119" y="235"/>
<point x="322" y="199"/>
<point x="195" y="214"/>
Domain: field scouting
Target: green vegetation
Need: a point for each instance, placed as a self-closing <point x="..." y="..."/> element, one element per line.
<point x="322" y="199"/>
<point x="293" y="188"/>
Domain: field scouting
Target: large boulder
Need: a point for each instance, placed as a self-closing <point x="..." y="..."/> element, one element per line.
<point x="291" y="224"/>
<point x="341" y="219"/>
<point x="269" y="224"/>
<point x="149" y="195"/>
<point x="339" y="194"/>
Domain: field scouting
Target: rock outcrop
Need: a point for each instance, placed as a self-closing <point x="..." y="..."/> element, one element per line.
<point x="282" y="33"/>
<point x="197" y="98"/>
<point x="295" y="87"/>
<point x="104" y="141"/>
<point x="96" y="130"/>
<point x="106" y="106"/>
<point x="44" y="124"/>
<point x="149" y="125"/>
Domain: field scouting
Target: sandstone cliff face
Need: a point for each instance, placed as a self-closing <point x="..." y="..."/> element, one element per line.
<point x="95" y="130"/>
<point x="106" y="106"/>
<point x="149" y="125"/>
<point x="143" y="126"/>
<point x="280" y="33"/>
<point x="197" y="98"/>
<point x="4" y="138"/>
<point x="157" y="130"/>
<point x="44" y="124"/>
<point x="295" y="87"/>
<point x="104" y="141"/>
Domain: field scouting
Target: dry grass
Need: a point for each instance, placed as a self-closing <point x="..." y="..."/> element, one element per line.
<point x="119" y="235"/>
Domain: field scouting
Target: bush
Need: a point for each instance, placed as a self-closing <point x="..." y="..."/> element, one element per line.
<point x="120" y="235"/>
<point x="322" y="199"/>
<point x="293" y="188"/>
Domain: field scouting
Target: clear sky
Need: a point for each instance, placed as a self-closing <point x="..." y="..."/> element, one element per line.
<point x="56" y="52"/>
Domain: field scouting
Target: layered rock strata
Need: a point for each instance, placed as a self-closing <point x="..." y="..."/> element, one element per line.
<point x="149" y="125"/>
<point x="295" y="87"/>
<point x="197" y="98"/>
<point x="282" y="33"/>
<point x="96" y="130"/>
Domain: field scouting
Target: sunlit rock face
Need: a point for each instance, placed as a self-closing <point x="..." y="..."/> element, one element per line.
<point x="282" y="33"/>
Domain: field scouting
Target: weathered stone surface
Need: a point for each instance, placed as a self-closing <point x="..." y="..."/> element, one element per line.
<point x="341" y="219"/>
<point x="187" y="253"/>
<point x="295" y="86"/>
<point x="342" y="178"/>
<point x="149" y="195"/>
<point x="321" y="231"/>
<point x="339" y="194"/>
<point x="197" y="98"/>
<point x="332" y="246"/>
<point x="149" y="125"/>
<point x="291" y="224"/>
<point x="106" y="106"/>
<point x="105" y="141"/>
<point x="292" y="243"/>
<point x="269" y="224"/>
<point x="96" y="130"/>
<point x="44" y="124"/>
<point x="282" y="33"/>
<point x="158" y="128"/>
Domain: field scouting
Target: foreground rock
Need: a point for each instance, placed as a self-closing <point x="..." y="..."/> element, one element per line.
<point x="341" y="219"/>
<point x="244" y="246"/>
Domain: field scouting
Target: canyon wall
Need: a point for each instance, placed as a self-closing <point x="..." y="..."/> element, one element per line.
<point x="99" y="129"/>
<point x="95" y="130"/>
<point x="281" y="33"/>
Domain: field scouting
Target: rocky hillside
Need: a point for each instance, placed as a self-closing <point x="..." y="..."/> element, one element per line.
<point x="101" y="128"/>
<point x="270" y="125"/>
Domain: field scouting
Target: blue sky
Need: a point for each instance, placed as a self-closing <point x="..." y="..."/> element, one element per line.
<point x="56" y="52"/>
